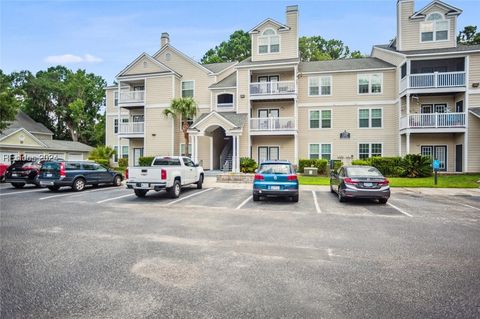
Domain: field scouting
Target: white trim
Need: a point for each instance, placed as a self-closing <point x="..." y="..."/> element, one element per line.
<point x="320" y="154"/>
<point x="320" y="119"/>
<point x="369" y="117"/>
<point x="434" y="38"/>
<point x="420" y="14"/>
<point x="268" y="152"/>
<point x="319" y="78"/>
<point x="215" y="98"/>
<point x="221" y="71"/>
<point x="224" y="88"/>
<point x="269" y="42"/>
<point x="466" y="106"/>
<point x="146" y="55"/>
<point x="211" y="114"/>
<point x="390" y="51"/>
<point x="261" y="66"/>
<point x="349" y="103"/>
<point x="211" y="152"/>
<point x="349" y="71"/>
<point x="369" y="148"/>
<point x="280" y="25"/>
<point x="433" y="150"/>
<point x="369" y="84"/>
<point x="183" y="55"/>
<point x="28" y="133"/>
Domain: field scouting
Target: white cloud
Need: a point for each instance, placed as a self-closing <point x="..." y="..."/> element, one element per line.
<point x="72" y="58"/>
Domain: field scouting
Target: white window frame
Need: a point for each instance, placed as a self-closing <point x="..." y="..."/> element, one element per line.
<point x="320" y="153"/>
<point x="181" y="87"/>
<point x="128" y="151"/>
<point x="369" y="117"/>
<point x="320" y="124"/>
<point x="115" y="119"/>
<point x="369" y="83"/>
<point x="183" y="145"/>
<point x="269" y="42"/>
<point x="434" y="22"/>
<point x="268" y="147"/>
<point x="319" y="79"/>
<point x="369" y="148"/>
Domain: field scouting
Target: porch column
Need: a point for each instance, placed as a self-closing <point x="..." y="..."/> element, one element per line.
<point x="237" y="160"/>
<point x="119" y="150"/>
<point x="407" y="146"/>
<point x="192" y="141"/>
<point x="234" y="151"/>
<point x="408" y="107"/>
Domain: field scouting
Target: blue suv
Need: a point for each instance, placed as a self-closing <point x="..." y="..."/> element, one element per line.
<point x="275" y="178"/>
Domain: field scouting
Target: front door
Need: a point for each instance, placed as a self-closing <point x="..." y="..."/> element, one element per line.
<point x="459" y="158"/>
<point x="137" y="153"/>
<point x="436" y="152"/>
<point x="459" y="107"/>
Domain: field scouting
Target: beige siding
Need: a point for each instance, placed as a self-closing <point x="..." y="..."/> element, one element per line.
<point x="160" y="126"/>
<point x="474" y="69"/>
<point x="15" y="140"/>
<point x="41" y="136"/>
<point x="286" y="144"/>
<point x="110" y="100"/>
<point x="473" y="143"/>
<point x="345" y="88"/>
<point x="449" y="139"/>
<point x="243" y="89"/>
<point x="215" y="94"/>
<point x="159" y="90"/>
<point x="283" y="76"/>
<point x="286" y="108"/>
<point x="204" y="151"/>
<point x="144" y="66"/>
<point x="245" y="142"/>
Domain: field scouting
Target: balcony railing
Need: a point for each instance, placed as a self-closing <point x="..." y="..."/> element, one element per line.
<point x="132" y="96"/>
<point x="272" y="124"/>
<point x="433" y="80"/>
<point x="221" y="106"/>
<point x="272" y="88"/>
<point x="433" y="120"/>
<point x="131" y="128"/>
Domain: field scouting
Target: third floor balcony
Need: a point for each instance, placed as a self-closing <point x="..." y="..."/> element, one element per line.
<point x="272" y="90"/>
<point x="433" y="80"/>
<point x="272" y="126"/>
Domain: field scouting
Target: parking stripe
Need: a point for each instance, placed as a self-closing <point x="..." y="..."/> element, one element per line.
<point x="78" y="193"/>
<point x="114" y="198"/>
<point x="466" y="205"/>
<point x="186" y="197"/>
<point x="244" y="202"/>
<point x="317" y="207"/>
<point x="400" y="210"/>
<point x="22" y="192"/>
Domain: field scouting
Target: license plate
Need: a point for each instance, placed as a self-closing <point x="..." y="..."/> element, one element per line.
<point x="46" y="183"/>
<point x="48" y="175"/>
<point x="144" y="185"/>
<point x="14" y="175"/>
<point x="368" y="184"/>
<point x="275" y="188"/>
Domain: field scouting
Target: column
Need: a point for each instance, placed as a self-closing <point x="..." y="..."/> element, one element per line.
<point x="196" y="149"/>
<point x="191" y="141"/>
<point x="237" y="164"/>
<point x="119" y="148"/>
<point x="234" y="150"/>
<point x="407" y="146"/>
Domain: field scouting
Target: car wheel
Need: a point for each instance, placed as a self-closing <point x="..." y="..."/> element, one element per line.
<point x="117" y="181"/>
<point x="175" y="190"/>
<point x="383" y="200"/>
<point x="341" y="198"/>
<point x="53" y="188"/>
<point x="78" y="184"/>
<point x="256" y="198"/>
<point x="200" y="182"/>
<point x="18" y="185"/>
<point x="295" y="199"/>
<point x="141" y="192"/>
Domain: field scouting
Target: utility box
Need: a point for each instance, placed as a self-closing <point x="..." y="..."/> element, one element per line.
<point x="311" y="171"/>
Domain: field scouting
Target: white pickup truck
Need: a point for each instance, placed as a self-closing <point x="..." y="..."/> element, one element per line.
<point x="168" y="173"/>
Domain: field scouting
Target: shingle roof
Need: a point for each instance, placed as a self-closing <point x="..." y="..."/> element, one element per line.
<point x="475" y="111"/>
<point x="229" y="81"/>
<point x="218" y="67"/>
<point x="237" y="119"/>
<point x="343" y="65"/>
<point x="67" y="145"/>
<point x="459" y="48"/>
<point x="22" y="120"/>
<point x="248" y="61"/>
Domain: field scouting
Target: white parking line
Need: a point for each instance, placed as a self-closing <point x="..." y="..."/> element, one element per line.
<point x="244" y="202"/>
<point x="466" y="205"/>
<point x="186" y="197"/>
<point x="400" y="210"/>
<point x="114" y="198"/>
<point x="317" y="207"/>
<point x="23" y="192"/>
<point x="77" y="193"/>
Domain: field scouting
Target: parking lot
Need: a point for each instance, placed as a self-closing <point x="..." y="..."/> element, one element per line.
<point x="215" y="253"/>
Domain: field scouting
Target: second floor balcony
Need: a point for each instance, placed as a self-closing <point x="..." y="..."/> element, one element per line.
<point x="272" y="90"/>
<point x="272" y="126"/>
<point x="433" y="121"/>
<point x="131" y="129"/>
<point x="433" y="80"/>
<point x="130" y="98"/>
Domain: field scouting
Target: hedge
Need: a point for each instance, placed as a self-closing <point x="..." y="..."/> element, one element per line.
<point x="145" y="160"/>
<point x="411" y="165"/>
<point x="123" y="162"/>
<point x="320" y="164"/>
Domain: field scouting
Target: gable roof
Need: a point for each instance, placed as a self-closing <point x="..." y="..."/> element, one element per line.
<point x="228" y="82"/>
<point x="280" y="26"/>
<point x="344" y="65"/>
<point x="458" y="49"/>
<point x="22" y="120"/>
<point x="67" y="145"/>
<point x="233" y="118"/>
<point x="451" y="10"/>
<point x="15" y="131"/>
<point x="219" y="67"/>
<point x="475" y="111"/>
<point x="180" y="53"/>
<point x="150" y="58"/>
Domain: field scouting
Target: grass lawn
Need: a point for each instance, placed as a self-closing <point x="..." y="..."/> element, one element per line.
<point x="444" y="181"/>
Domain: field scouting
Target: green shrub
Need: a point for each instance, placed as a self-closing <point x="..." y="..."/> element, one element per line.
<point x="145" y="160"/>
<point x="416" y="165"/>
<point x="123" y="162"/>
<point x="388" y="166"/>
<point x="103" y="162"/>
<point x="360" y="162"/>
<point x="247" y="165"/>
<point x="320" y="164"/>
<point x="336" y="165"/>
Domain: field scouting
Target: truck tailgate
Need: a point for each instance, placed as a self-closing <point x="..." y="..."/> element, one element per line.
<point x="144" y="174"/>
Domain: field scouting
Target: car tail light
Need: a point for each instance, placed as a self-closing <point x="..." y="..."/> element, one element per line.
<point x="259" y="177"/>
<point x="350" y="181"/>
<point x="292" y="177"/>
<point x="62" y="170"/>
<point x="385" y="182"/>
<point x="126" y="173"/>
<point x="164" y="174"/>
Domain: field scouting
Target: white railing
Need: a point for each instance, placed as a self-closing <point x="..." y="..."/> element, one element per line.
<point x="132" y="96"/>
<point x="224" y="105"/>
<point x="436" y="80"/>
<point x="272" y="88"/>
<point x="272" y="124"/>
<point x="131" y="128"/>
<point x="433" y="120"/>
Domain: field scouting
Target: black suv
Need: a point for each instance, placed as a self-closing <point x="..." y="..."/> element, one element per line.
<point x="76" y="174"/>
<point x="23" y="172"/>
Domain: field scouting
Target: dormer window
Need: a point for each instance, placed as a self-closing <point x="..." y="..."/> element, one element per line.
<point x="268" y="42"/>
<point x="435" y="28"/>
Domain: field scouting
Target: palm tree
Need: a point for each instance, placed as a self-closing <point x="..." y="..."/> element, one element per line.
<point x="186" y="107"/>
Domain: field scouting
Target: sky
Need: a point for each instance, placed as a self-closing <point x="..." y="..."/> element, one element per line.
<point x="104" y="36"/>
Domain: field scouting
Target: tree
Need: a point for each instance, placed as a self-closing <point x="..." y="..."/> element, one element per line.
<point x="237" y="48"/>
<point x="102" y="154"/>
<point x="469" y="35"/>
<point x="9" y="103"/>
<point x="186" y="108"/>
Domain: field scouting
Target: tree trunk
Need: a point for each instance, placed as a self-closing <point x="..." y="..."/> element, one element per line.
<point x="185" y="128"/>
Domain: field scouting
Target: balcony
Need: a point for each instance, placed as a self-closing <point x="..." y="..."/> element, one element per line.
<point x="131" y="129"/>
<point x="272" y="90"/>
<point x="433" y="80"/>
<point x="272" y="126"/>
<point x="131" y="98"/>
<point x="434" y="122"/>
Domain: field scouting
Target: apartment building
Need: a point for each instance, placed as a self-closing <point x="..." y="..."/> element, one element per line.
<point x="418" y="94"/>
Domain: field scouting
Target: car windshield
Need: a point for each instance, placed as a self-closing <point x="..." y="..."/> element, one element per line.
<point x="275" y="169"/>
<point x="166" y="161"/>
<point x="363" y="172"/>
<point x="49" y="166"/>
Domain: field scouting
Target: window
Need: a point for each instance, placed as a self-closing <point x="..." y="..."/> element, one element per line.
<point x="188" y="162"/>
<point x="323" y="151"/>
<point x="321" y="119"/>
<point x="435" y="28"/>
<point x="115" y="124"/>
<point x="124" y="151"/>
<point x="115" y="97"/>
<point x="225" y="100"/>
<point x="319" y="85"/>
<point x="370" y="83"/>
<point x="404" y="70"/>
<point x="182" y="149"/>
<point x="188" y="88"/>
<point x="269" y="42"/>
<point x="366" y="150"/>
<point x="370" y="118"/>
<point x="268" y="153"/>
